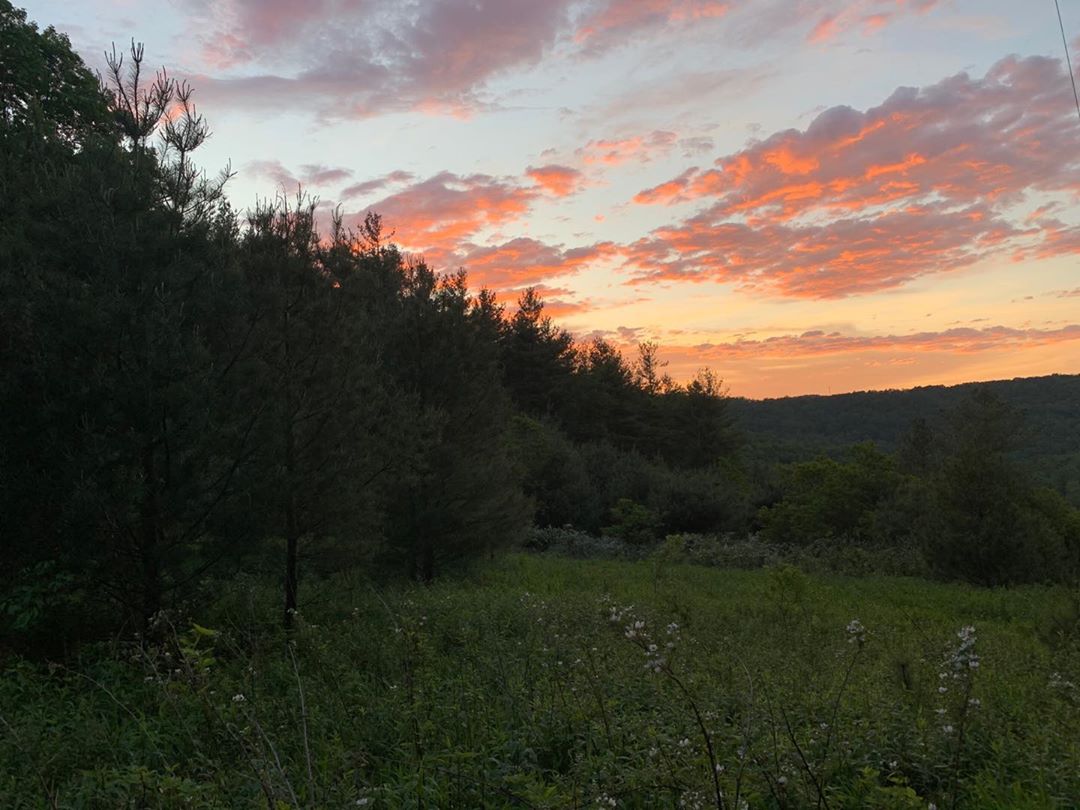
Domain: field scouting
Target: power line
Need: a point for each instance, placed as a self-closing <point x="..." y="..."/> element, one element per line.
<point x="1068" y="61"/>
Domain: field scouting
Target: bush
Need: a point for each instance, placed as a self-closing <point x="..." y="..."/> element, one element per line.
<point x="634" y="523"/>
<point x="570" y="542"/>
<point x="726" y="551"/>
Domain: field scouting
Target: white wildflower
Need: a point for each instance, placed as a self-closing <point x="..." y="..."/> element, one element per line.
<point x="856" y="632"/>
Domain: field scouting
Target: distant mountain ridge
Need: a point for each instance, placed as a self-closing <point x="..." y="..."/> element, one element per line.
<point x="797" y="428"/>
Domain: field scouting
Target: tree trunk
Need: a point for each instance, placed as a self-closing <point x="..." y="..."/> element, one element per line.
<point x="427" y="563"/>
<point x="292" y="538"/>
<point x="150" y="542"/>
<point x="292" y="534"/>
<point x="291" y="543"/>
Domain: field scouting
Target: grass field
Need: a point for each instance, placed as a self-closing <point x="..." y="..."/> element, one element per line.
<point x="547" y="682"/>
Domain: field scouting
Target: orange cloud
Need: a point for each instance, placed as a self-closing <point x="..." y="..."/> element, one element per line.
<point x="951" y="341"/>
<point x="871" y="15"/>
<point x="640" y="148"/>
<point x="927" y="182"/>
<point x="521" y="262"/>
<point x="619" y="18"/>
<point x="843" y="257"/>
<point x="825" y="29"/>
<point x="439" y="213"/>
<point x="561" y="181"/>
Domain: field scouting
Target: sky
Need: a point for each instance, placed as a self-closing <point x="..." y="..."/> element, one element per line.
<point x="806" y="196"/>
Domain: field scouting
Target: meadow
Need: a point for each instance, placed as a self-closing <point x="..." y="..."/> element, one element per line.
<point x="545" y="682"/>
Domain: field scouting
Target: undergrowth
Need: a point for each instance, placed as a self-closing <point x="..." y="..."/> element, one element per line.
<point x="548" y="682"/>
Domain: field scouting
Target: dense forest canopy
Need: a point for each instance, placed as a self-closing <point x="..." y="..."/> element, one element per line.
<point x="190" y="392"/>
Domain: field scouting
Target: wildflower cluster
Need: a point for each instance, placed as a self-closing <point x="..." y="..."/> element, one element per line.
<point x="692" y="800"/>
<point x="657" y="650"/>
<point x="856" y="632"/>
<point x="1058" y="682"/>
<point x="616" y="614"/>
<point x="957" y="676"/>
<point x="964" y="658"/>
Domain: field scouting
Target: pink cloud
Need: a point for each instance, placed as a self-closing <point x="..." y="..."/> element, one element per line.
<point x="560" y="181"/>
<point x="839" y="258"/>
<point x="868" y="15"/>
<point x="522" y="262"/>
<point x="439" y="213"/>
<point x="359" y="58"/>
<point x="377" y="184"/>
<point x="640" y="148"/>
<point x="454" y="221"/>
<point x="926" y="182"/>
<point x="616" y="20"/>
<point x="309" y="174"/>
<point x="825" y="29"/>
<point x="356" y="58"/>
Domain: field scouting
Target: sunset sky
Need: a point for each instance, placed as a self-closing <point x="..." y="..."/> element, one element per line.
<point x="807" y="197"/>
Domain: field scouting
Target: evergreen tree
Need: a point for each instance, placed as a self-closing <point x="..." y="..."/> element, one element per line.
<point x="539" y="359"/>
<point x="461" y="493"/>
<point x="324" y="427"/>
<point x="117" y="300"/>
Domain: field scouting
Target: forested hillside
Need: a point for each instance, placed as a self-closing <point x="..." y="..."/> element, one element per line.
<point x="799" y="428"/>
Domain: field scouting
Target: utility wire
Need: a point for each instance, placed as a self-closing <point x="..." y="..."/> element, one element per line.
<point x="1068" y="61"/>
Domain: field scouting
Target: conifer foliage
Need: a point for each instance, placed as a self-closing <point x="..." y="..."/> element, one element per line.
<point x="191" y="392"/>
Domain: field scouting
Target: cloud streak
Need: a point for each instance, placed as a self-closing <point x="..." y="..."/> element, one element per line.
<point x="951" y="341"/>
<point x="309" y="174"/>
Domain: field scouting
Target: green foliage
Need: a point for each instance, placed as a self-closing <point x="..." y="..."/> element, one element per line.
<point x="787" y="591"/>
<point x="38" y="594"/>
<point x="996" y="528"/>
<point x="831" y="499"/>
<point x="633" y="522"/>
<point x="555" y="475"/>
<point x="535" y="681"/>
<point x="44" y="86"/>
<point x="955" y="497"/>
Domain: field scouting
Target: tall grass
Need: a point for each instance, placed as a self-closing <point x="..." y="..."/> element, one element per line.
<point x="557" y="683"/>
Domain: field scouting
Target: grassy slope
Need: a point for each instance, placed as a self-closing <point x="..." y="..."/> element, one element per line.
<point x="513" y="688"/>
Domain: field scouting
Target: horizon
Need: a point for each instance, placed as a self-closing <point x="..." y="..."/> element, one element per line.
<point x="860" y="391"/>
<point x="868" y="196"/>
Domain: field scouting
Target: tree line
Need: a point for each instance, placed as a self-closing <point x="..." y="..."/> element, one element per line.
<point x="188" y="390"/>
<point x="190" y="393"/>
